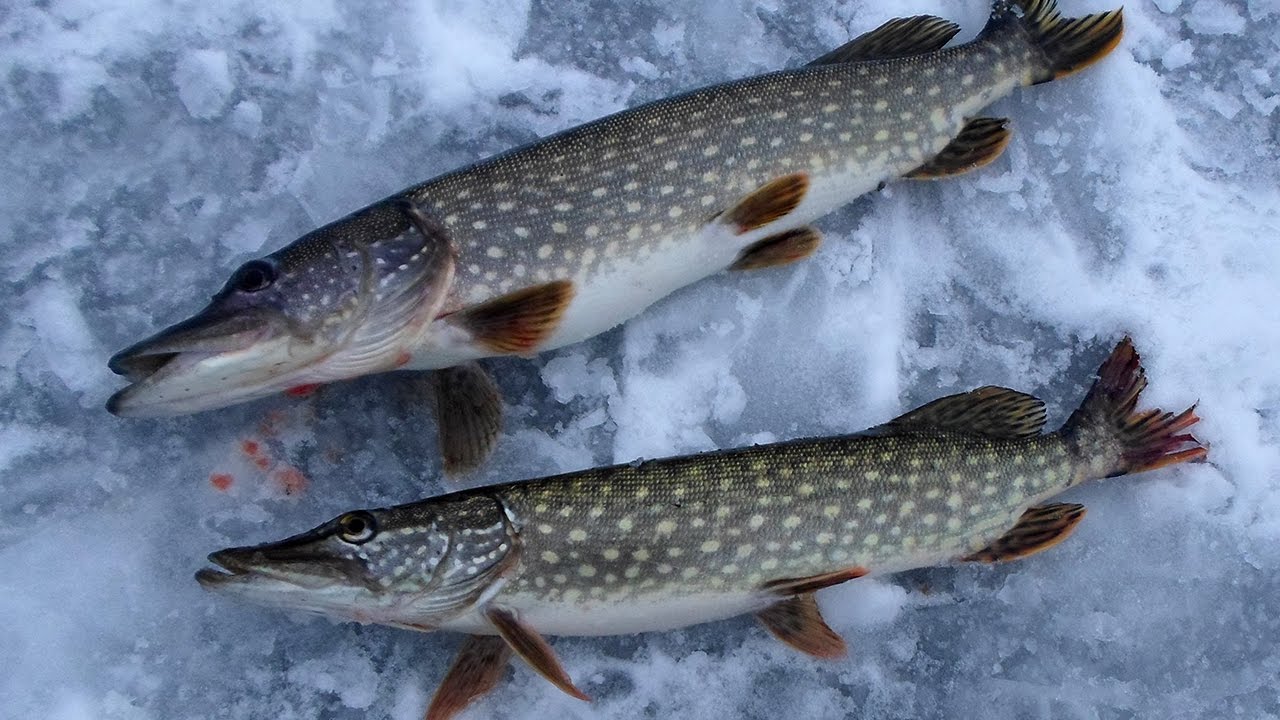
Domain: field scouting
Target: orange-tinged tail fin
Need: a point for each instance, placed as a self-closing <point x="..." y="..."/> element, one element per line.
<point x="1068" y="45"/>
<point x="1108" y="423"/>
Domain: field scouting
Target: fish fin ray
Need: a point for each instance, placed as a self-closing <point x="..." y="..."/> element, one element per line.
<point x="1107" y="420"/>
<point x="900" y="37"/>
<point x="801" y="585"/>
<point x="518" y="322"/>
<point x="781" y="249"/>
<point x="980" y="142"/>
<point x="468" y="416"/>
<point x="1039" y="528"/>
<point x="1068" y="45"/>
<point x="771" y="201"/>
<point x="533" y="649"/>
<point x="475" y="672"/>
<point x="990" y="411"/>
<point x="798" y="622"/>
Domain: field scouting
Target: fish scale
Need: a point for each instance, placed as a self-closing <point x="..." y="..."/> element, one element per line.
<point x="735" y="521"/>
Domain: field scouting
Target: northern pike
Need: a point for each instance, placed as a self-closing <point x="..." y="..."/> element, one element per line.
<point x="670" y="543"/>
<point x="562" y="239"/>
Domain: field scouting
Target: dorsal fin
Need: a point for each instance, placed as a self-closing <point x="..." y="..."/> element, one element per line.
<point x="991" y="411"/>
<point x="900" y="37"/>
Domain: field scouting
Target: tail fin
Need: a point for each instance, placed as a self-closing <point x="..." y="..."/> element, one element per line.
<point x="1108" y="430"/>
<point x="1068" y="44"/>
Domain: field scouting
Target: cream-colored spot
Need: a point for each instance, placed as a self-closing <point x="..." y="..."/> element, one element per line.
<point x="791" y="522"/>
<point x="864" y="504"/>
<point x="577" y="535"/>
<point x="544" y="252"/>
<point x="522" y="231"/>
<point x="675" y="212"/>
<point x="670" y="165"/>
<point x="688" y="572"/>
<point x="551" y="557"/>
<point x="871" y="540"/>
<point x="756" y="521"/>
<point x="559" y="228"/>
<point x="480" y="225"/>
<point x="640" y="555"/>
<point x="710" y="546"/>
<point x="587" y="571"/>
<point x="666" y="527"/>
<point x="495" y="252"/>
<point x="710" y="150"/>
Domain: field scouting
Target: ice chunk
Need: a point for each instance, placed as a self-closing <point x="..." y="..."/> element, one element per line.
<point x="204" y="82"/>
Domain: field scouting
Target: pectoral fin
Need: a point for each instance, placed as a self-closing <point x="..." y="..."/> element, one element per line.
<point x="781" y="249"/>
<point x="979" y="142"/>
<point x="900" y="37"/>
<point x="468" y="416"/>
<point x="1039" y="528"/>
<point x="799" y="586"/>
<point x="798" y="622"/>
<point x="772" y="201"/>
<point x="533" y="649"/>
<point x="516" y="323"/>
<point x="475" y="672"/>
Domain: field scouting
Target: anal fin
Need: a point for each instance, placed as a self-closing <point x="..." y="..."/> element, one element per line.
<point x="798" y="622"/>
<point x="781" y="249"/>
<point x="518" y="322"/>
<point x="1039" y="528"/>
<point x="468" y="416"/>
<point x="980" y="141"/>
<point x="771" y="201"/>
<point x="900" y="37"/>
<point x="799" y="586"/>
<point x="475" y="672"/>
<point x="533" y="649"/>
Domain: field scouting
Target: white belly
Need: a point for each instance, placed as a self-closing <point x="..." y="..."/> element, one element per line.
<point x="623" y="289"/>
<point x="636" y="615"/>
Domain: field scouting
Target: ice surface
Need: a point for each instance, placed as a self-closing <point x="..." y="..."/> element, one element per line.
<point x="150" y="147"/>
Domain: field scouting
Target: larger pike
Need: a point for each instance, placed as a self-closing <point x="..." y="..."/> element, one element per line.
<point x="669" y="543"/>
<point x="562" y="239"/>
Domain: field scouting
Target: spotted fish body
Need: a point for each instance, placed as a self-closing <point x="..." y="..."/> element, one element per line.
<point x="562" y="239"/>
<point x="669" y="543"/>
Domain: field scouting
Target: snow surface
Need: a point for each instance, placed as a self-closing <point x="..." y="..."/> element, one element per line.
<point x="150" y="147"/>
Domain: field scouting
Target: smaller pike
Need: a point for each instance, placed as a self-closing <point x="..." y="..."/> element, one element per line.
<point x="562" y="239"/>
<point x="686" y="540"/>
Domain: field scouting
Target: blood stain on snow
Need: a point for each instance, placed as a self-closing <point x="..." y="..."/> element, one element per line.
<point x="253" y="450"/>
<point x="221" y="481"/>
<point x="303" y="391"/>
<point x="403" y="358"/>
<point x="291" y="480"/>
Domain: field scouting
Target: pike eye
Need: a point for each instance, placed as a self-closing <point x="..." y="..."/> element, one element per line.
<point x="253" y="276"/>
<point x="357" y="527"/>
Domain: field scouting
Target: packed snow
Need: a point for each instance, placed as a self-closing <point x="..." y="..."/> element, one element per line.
<point x="151" y="147"/>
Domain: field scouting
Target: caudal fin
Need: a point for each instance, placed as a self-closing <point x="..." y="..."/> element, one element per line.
<point x="1067" y="44"/>
<point x="1107" y="428"/>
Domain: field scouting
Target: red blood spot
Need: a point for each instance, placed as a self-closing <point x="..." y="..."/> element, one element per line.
<point x="250" y="448"/>
<point x="262" y="461"/>
<point x="291" y="480"/>
<point x="221" y="481"/>
<point x="270" y="426"/>
<point x="403" y="358"/>
<point x="302" y="391"/>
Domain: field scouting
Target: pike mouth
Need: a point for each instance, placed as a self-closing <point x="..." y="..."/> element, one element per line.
<point x="228" y="569"/>
<point x="138" y="367"/>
